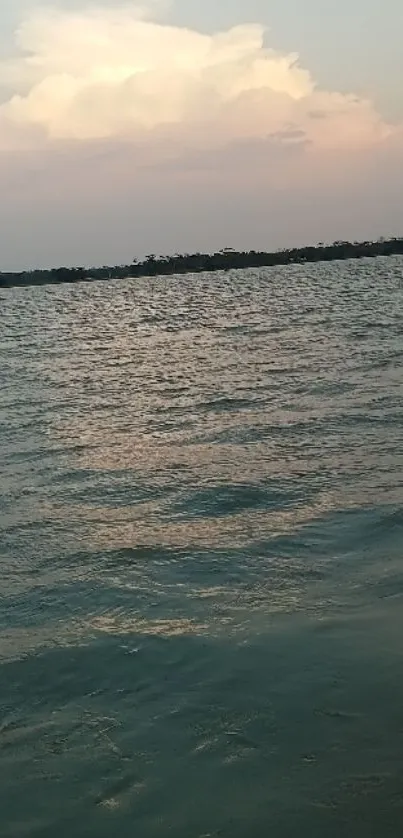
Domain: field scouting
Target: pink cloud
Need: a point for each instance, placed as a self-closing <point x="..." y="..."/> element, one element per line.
<point x="118" y="123"/>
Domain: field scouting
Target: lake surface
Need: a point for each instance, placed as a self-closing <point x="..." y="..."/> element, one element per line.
<point x="201" y="621"/>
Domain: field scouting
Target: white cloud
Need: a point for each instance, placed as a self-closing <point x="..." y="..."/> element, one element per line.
<point x="120" y="135"/>
<point x="112" y="73"/>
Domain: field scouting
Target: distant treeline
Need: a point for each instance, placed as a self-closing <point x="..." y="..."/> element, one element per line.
<point x="224" y="260"/>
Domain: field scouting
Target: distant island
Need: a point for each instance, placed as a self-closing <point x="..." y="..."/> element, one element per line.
<point x="225" y="260"/>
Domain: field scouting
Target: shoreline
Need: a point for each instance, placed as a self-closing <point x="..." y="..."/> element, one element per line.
<point x="223" y="260"/>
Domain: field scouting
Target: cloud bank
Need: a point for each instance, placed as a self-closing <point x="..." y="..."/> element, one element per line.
<point x="102" y="101"/>
<point x="108" y="73"/>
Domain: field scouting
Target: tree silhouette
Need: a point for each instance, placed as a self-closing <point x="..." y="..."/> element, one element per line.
<point x="226" y="259"/>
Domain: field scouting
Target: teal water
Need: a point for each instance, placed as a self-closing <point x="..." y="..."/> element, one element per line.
<point x="201" y="612"/>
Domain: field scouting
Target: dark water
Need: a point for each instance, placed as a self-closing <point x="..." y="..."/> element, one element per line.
<point x="201" y="624"/>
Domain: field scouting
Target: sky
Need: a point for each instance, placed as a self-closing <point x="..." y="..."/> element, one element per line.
<point x="175" y="126"/>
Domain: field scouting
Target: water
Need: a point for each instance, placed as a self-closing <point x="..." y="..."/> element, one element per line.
<point x="201" y="555"/>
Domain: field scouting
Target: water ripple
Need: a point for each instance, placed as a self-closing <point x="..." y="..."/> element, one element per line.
<point x="201" y="555"/>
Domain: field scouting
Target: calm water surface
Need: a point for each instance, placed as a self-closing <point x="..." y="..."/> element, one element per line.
<point x="201" y="621"/>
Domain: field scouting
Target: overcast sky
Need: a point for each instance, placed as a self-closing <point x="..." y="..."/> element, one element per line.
<point x="127" y="129"/>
